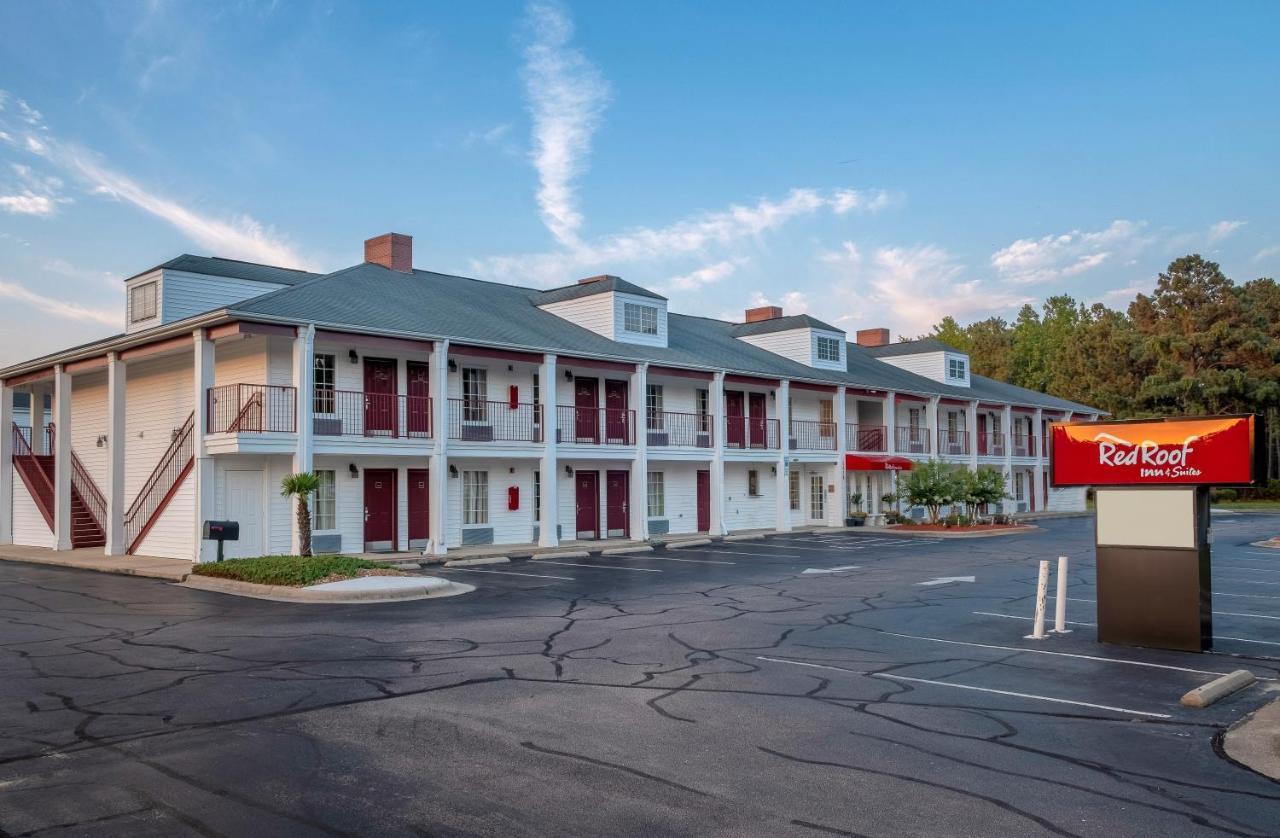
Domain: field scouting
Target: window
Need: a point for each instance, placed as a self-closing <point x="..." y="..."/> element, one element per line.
<point x="475" y="497"/>
<point x="653" y="407"/>
<point x="795" y="490"/>
<point x="475" y="394"/>
<point x="913" y="417"/>
<point x="1019" y="493"/>
<point x="702" y="400"/>
<point x="537" y="390"/>
<point x="827" y="416"/>
<point x="326" y="501"/>
<point x="657" y="495"/>
<point x="816" y="497"/>
<point x="642" y="320"/>
<point x="955" y="368"/>
<point x="828" y="349"/>
<point x="753" y="483"/>
<point x="142" y="302"/>
<point x="323" y="380"/>
<point x="537" y="493"/>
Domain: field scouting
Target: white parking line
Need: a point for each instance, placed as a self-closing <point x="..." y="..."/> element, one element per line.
<point x="639" y="558"/>
<point x="603" y="566"/>
<point x="501" y="573"/>
<point x="1027" y="619"/>
<point x="1249" y="569"/>
<point x="953" y="685"/>
<point x="736" y="553"/>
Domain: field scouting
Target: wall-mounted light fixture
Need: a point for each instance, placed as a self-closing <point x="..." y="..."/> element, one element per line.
<point x="568" y="375"/>
<point x="453" y="365"/>
<point x="510" y="368"/>
<point x="453" y="471"/>
<point x="353" y="471"/>
<point x="353" y="356"/>
<point x="568" y="470"/>
<point x="102" y="440"/>
<point x="773" y="469"/>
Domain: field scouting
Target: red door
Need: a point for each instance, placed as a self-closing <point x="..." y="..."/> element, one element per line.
<point x="379" y="397"/>
<point x="982" y="434"/>
<point x="587" y="493"/>
<point x="704" y="501"/>
<point x="586" y="402"/>
<point x="615" y="412"/>
<point x="418" y="408"/>
<point x="757" y="420"/>
<point x="379" y="509"/>
<point x="617" y="491"/>
<point x="419" y="506"/>
<point x="733" y="411"/>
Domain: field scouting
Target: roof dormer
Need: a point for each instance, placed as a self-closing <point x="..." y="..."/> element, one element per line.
<point x="612" y="307"/>
<point x="928" y="357"/>
<point x="798" y="337"/>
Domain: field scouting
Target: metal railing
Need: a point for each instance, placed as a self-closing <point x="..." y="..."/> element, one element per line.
<point x="252" y="408"/>
<point x="43" y="440"/>
<point x="912" y="440"/>
<point x="866" y="438"/>
<point x="595" y="425"/>
<point x="679" y="430"/>
<point x="351" y="413"/>
<point x="90" y="495"/>
<point x="473" y="420"/>
<point x="160" y="485"/>
<point x="1024" y="445"/>
<point x="953" y="443"/>
<point x="811" y="435"/>
<point x="24" y="461"/>
<point x="991" y="444"/>
<point x="750" y="432"/>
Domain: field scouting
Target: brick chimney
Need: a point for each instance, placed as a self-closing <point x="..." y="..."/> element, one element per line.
<point x="755" y="315"/>
<point x="390" y="250"/>
<point x="873" y="337"/>
<point x="599" y="278"/>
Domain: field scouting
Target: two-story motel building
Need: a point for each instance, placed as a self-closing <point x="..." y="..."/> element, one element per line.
<point x="442" y="411"/>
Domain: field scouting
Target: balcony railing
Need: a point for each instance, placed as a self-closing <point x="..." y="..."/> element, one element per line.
<point x="473" y="420"/>
<point x="39" y="443"/>
<point x="953" y="443"/>
<point x="350" y="413"/>
<point x="595" y="425"/>
<point x="1024" y="445"/>
<point x="991" y="444"/>
<point x="912" y="440"/>
<point x="678" y="430"/>
<point x="750" y="432"/>
<point x="866" y="438"/>
<point x="252" y="408"/>
<point x="809" y="435"/>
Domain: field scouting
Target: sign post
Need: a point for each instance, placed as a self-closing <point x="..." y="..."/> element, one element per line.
<point x="1154" y="585"/>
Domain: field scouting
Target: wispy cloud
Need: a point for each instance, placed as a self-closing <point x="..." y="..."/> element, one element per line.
<point x="1222" y="229"/>
<point x="35" y="194"/>
<point x="1068" y="254"/>
<point x="567" y="97"/>
<point x="26" y="203"/>
<point x="706" y="275"/>
<point x="1266" y="252"/>
<point x="58" y="308"/>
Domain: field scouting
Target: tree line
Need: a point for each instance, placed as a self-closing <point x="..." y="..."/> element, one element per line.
<point x="1198" y="344"/>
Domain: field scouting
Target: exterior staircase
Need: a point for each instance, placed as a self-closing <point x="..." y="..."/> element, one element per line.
<point x="88" y="508"/>
<point x="161" y="486"/>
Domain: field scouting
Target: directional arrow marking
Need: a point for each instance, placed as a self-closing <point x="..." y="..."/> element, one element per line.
<point x="832" y="569"/>
<point x="943" y="580"/>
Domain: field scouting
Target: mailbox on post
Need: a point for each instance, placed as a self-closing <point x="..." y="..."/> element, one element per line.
<point x="221" y="531"/>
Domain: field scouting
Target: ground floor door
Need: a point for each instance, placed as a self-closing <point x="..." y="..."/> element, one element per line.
<point x="704" y="501"/>
<point x="419" y="507"/>
<point x="617" y="490"/>
<point x="242" y="502"/>
<point x="379" y="510"/>
<point x="587" y="499"/>
<point x="817" y="497"/>
<point x="759" y="436"/>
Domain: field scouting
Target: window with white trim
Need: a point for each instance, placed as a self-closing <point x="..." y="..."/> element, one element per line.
<point x="326" y="501"/>
<point x="828" y="349"/>
<point x="827" y="416"/>
<point x="657" y="495"/>
<point x="640" y="319"/>
<point x="753" y="483"/>
<point x="475" y="394"/>
<point x="795" y="490"/>
<point x="702" y="402"/>
<point x="1019" y="491"/>
<point x="537" y="495"/>
<point x="816" y="497"/>
<point x="653" y="407"/>
<point x="956" y="369"/>
<point x="324" y="380"/>
<point x="142" y="302"/>
<point x="475" y="498"/>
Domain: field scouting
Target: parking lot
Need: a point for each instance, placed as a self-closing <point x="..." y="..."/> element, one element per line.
<point x="807" y="684"/>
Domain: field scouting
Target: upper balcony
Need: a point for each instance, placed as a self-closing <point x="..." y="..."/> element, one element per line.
<point x="346" y="413"/>
<point x="1024" y="445"/>
<point x="750" y="433"/>
<point x="991" y="444"/>
<point x="953" y="443"/>
<point x="912" y="440"/>
<point x="866" y="438"/>
<point x="476" y="420"/>
<point x="668" y="429"/>
<point x="810" y="435"/>
<point x="595" y="425"/>
<point x="252" y="409"/>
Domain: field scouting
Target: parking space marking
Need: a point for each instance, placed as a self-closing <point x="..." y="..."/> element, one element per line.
<point x="603" y="566"/>
<point x="954" y="685"/>
<point x="1249" y="569"/>
<point x="503" y="573"/>
<point x="1028" y="619"/>
<point x="639" y="558"/>
<point x="1247" y="640"/>
<point x="752" y="555"/>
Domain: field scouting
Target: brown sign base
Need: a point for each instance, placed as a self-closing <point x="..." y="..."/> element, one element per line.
<point x="1157" y="597"/>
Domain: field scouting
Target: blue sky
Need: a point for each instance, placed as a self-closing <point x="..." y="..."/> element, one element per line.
<point x="870" y="165"/>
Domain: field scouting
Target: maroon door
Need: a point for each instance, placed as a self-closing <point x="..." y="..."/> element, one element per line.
<point x="379" y="509"/>
<point x="586" y="401"/>
<point x="615" y="412"/>
<point x="704" y="501"/>
<point x="617" y="492"/>
<point x="587" y="494"/>
<point x="733" y="411"/>
<point x="757" y="421"/>
<point x="419" y="506"/>
<point x="982" y="433"/>
<point x="418" y="408"/>
<point x="379" y="397"/>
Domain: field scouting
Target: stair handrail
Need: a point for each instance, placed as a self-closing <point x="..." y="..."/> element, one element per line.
<point x="83" y="483"/>
<point x="255" y="400"/>
<point x="22" y="452"/>
<point x="172" y="465"/>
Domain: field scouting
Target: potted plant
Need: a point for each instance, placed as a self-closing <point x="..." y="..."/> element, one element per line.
<point x="856" y="517"/>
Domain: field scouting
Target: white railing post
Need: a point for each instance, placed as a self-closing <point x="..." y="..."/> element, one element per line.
<point x="1042" y="593"/>
<point x="1060" y="602"/>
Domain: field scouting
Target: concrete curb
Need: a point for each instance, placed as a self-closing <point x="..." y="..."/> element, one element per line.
<point x="622" y="551"/>
<point x="431" y="588"/>
<point x="1218" y="688"/>
<point x="564" y="554"/>
<point x="750" y="537"/>
<point x="140" y="568"/>
<point x="1254" y="741"/>
<point x="937" y="534"/>
<point x="470" y="562"/>
<point x="696" y="542"/>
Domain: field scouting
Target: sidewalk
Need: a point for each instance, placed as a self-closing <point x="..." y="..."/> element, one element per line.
<point x="91" y="558"/>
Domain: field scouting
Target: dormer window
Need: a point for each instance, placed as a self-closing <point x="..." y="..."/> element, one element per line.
<point x="142" y="302"/>
<point x="640" y="319"/>
<point x="828" y="349"/>
<point x="956" y="369"/>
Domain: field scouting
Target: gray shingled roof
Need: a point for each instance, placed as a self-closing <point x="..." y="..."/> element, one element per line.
<point x="598" y="285"/>
<point x="217" y="266"/>
<point x="912" y="347"/>
<point x="782" y="324"/>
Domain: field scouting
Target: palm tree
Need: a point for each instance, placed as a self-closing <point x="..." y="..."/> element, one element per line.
<point x="303" y="485"/>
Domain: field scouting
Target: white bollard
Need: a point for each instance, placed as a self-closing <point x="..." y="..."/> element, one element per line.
<point x="1042" y="593"/>
<point x="1060" y="603"/>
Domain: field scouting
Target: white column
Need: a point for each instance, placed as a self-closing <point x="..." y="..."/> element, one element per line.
<point x="889" y="417"/>
<point x="304" y="345"/>
<point x="6" y="461"/>
<point x="439" y="497"/>
<point x="1037" y="477"/>
<point x="549" y="465"/>
<point x="203" y="473"/>
<point x="62" y="458"/>
<point x="931" y="425"/>
<point x="117" y="384"/>
<point x="842" y="446"/>
<point x="972" y="420"/>
<point x="783" y="467"/>
<point x="716" y="396"/>
<point x="1006" y="431"/>
<point x="639" y="511"/>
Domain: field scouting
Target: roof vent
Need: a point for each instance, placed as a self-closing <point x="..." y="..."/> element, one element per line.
<point x="755" y="315"/>
<point x="390" y="250"/>
<point x="599" y="278"/>
<point x="873" y="337"/>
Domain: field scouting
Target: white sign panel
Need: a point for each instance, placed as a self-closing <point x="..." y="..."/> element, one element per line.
<point x="1147" y="518"/>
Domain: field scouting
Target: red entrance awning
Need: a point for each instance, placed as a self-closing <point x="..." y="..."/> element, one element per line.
<point x="876" y="462"/>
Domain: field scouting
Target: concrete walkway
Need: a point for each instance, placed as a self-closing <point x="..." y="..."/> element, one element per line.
<point x="91" y="558"/>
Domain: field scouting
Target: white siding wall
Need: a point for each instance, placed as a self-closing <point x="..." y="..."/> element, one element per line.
<point x="595" y="313"/>
<point x="173" y="535"/>
<point x="742" y="512"/>
<point x="88" y="422"/>
<point x="680" y="481"/>
<point x="509" y="527"/>
<point x="159" y="400"/>
<point x="928" y="364"/>
<point x="29" y="527"/>
<point x="240" y="361"/>
<point x="796" y="344"/>
<point x="568" y="492"/>
<point x="186" y="294"/>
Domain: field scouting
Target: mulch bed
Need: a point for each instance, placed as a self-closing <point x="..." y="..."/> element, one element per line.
<point x="943" y="528"/>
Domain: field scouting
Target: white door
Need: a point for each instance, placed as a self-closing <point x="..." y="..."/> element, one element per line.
<point x="817" y="507"/>
<point x="242" y="502"/>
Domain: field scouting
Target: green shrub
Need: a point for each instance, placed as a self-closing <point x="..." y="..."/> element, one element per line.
<point x="1218" y="495"/>
<point x="285" y="570"/>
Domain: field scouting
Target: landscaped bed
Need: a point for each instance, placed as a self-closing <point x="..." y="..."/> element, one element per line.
<point x="293" y="571"/>
<point x="958" y="528"/>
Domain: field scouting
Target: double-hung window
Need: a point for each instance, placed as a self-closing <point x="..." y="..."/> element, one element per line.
<point x="702" y="400"/>
<point x="475" y="498"/>
<point x="142" y="302"/>
<point x="653" y="407"/>
<point x="475" y="394"/>
<point x="956" y="369"/>
<point x="828" y="349"/>
<point x="657" y="495"/>
<point x="326" y="501"/>
<point x="795" y="490"/>
<point x="640" y="319"/>
<point x="324" y="381"/>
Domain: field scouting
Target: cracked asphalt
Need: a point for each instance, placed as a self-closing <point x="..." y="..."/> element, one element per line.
<point x="712" y="691"/>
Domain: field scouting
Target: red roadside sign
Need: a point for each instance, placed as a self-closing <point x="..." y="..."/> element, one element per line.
<point x="1206" y="451"/>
